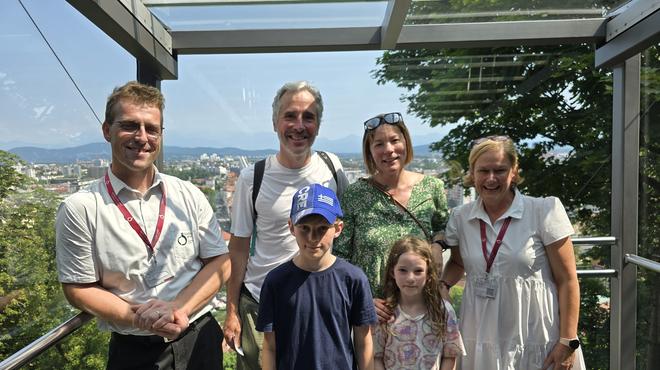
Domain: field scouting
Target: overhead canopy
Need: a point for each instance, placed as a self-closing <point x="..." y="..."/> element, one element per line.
<point x="157" y="31"/>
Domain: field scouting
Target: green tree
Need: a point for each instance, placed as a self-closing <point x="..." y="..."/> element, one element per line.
<point x="31" y="300"/>
<point x="563" y="106"/>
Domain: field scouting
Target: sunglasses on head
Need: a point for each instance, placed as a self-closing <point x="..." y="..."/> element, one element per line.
<point x="389" y="118"/>
<point x="491" y="137"/>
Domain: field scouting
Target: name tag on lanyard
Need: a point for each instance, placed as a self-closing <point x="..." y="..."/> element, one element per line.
<point x="485" y="284"/>
<point x="156" y="274"/>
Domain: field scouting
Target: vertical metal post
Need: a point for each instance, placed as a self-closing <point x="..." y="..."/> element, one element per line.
<point x="149" y="76"/>
<point x="625" y="193"/>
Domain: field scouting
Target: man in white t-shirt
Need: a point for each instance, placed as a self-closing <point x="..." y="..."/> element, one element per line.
<point x="141" y="250"/>
<point x="297" y="111"/>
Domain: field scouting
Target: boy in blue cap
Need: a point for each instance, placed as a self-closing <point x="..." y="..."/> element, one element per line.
<point x="309" y="305"/>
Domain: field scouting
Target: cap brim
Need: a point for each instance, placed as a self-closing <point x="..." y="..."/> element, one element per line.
<point x="330" y="216"/>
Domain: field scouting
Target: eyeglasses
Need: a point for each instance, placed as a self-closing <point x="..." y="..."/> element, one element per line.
<point x="133" y="128"/>
<point x="491" y="137"/>
<point x="389" y="118"/>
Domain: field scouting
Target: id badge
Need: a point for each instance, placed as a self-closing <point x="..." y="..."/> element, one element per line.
<point x="486" y="287"/>
<point x="156" y="274"/>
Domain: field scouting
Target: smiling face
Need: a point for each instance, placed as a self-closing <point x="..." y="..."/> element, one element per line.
<point x="135" y="136"/>
<point x="297" y="125"/>
<point x="410" y="275"/>
<point x="388" y="149"/>
<point x="493" y="176"/>
<point x="315" y="236"/>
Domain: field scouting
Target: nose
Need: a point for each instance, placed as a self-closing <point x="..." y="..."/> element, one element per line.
<point x="141" y="134"/>
<point x="297" y="123"/>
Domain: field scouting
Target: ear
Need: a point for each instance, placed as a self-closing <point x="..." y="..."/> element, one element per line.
<point x="291" y="227"/>
<point x="338" y="228"/>
<point x="105" y="127"/>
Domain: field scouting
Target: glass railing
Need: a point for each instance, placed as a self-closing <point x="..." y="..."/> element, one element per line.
<point x="55" y="336"/>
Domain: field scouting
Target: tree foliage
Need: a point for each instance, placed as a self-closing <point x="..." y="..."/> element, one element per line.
<point x="31" y="300"/>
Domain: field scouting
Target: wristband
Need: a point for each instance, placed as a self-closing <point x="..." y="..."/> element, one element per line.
<point x="442" y="243"/>
<point x="573" y="344"/>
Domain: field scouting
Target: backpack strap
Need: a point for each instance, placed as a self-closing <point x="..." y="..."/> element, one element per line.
<point x="331" y="166"/>
<point x="259" y="168"/>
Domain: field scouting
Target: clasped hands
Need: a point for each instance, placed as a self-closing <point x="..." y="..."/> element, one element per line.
<point x="160" y="318"/>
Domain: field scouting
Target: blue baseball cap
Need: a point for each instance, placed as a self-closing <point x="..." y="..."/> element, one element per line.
<point x="315" y="199"/>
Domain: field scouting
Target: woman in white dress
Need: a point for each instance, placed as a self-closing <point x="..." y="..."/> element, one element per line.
<point x="521" y="300"/>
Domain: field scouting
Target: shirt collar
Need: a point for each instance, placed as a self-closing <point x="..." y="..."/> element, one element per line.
<point x="515" y="209"/>
<point x="118" y="185"/>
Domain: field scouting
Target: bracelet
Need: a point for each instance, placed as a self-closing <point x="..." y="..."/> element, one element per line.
<point x="445" y="283"/>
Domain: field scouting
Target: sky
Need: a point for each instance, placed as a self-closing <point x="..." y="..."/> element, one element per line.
<point x="217" y="100"/>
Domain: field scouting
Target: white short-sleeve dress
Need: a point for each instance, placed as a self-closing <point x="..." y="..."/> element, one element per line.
<point x="517" y="328"/>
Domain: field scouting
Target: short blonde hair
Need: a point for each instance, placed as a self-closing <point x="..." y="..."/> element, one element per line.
<point x="493" y="144"/>
<point x="136" y="93"/>
<point x="368" y="138"/>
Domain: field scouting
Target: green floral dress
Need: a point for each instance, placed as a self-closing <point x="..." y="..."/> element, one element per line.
<point x="372" y="223"/>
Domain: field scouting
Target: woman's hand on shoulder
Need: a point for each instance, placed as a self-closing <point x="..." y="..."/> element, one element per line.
<point x="561" y="357"/>
<point x="382" y="311"/>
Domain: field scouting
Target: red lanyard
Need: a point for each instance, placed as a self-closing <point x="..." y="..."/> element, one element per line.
<point x="131" y="221"/>
<point x="496" y="247"/>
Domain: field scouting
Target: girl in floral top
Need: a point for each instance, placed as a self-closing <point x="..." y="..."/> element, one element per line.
<point x="424" y="334"/>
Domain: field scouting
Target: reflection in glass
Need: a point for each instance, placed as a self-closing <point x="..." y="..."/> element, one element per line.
<point x="648" y="283"/>
<point x="444" y="11"/>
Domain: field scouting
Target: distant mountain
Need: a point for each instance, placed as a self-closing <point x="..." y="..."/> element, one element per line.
<point x="93" y="151"/>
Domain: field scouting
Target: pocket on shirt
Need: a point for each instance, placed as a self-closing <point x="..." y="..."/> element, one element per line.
<point x="179" y="239"/>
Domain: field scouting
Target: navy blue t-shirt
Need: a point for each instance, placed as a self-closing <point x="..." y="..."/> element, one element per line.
<point x="312" y="314"/>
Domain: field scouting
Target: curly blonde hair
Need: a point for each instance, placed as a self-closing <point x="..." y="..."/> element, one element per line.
<point x="435" y="305"/>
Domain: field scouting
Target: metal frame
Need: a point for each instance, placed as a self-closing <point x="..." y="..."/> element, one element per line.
<point x="395" y="16"/>
<point x="46" y="341"/>
<point x="488" y="34"/>
<point x="140" y="33"/>
<point x="625" y="182"/>
<point x="632" y="38"/>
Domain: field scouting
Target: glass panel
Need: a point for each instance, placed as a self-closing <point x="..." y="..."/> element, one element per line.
<point x="445" y="11"/>
<point x="648" y="283"/>
<point x="42" y="108"/>
<point x="266" y="16"/>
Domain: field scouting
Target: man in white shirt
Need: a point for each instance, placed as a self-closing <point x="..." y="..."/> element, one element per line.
<point x="141" y="250"/>
<point x="297" y="112"/>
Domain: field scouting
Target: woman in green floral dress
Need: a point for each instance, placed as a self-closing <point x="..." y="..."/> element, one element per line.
<point x="374" y="208"/>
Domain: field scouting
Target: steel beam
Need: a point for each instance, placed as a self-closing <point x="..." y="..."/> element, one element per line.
<point x="395" y="15"/>
<point x="268" y="41"/>
<point x="133" y="27"/>
<point x="633" y="41"/>
<point x="460" y="35"/>
<point x="497" y="34"/>
<point x="625" y="182"/>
